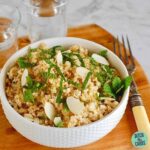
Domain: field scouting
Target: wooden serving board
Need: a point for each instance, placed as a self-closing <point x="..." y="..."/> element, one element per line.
<point x="119" y="138"/>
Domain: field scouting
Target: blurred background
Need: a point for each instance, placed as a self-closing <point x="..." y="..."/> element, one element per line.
<point x="131" y="17"/>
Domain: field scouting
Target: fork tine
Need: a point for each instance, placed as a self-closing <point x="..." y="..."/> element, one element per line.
<point x="131" y="55"/>
<point x="125" y="51"/>
<point x="119" y="49"/>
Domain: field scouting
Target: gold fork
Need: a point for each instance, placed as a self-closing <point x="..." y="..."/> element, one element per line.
<point x="139" y="112"/>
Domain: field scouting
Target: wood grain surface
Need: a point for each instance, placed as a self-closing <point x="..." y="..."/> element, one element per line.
<point x="119" y="138"/>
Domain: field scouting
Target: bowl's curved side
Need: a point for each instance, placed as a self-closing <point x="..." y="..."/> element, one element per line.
<point x="67" y="137"/>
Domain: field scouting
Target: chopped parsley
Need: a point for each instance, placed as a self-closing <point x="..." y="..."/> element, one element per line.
<point x="119" y="86"/>
<point x="32" y="49"/>
<point x="107" y="90"/>
<point x="127" y="81"/>
<point x="23" y="63"/>
<point x="101" y="77"/>
<point x="32" y="86"/>
<point x="116" y="83"/>
<point x="27" y="95"/>
<point x="103" y="53"/>
<point x="116" y="87"/>
<point x="106" y="74"/>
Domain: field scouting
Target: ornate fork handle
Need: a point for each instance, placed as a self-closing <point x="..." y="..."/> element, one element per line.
<point x="135" y="97"/>
<point x="135" y="100"/>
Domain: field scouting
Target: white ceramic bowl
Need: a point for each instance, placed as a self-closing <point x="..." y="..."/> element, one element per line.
<point x="64" y="137"/>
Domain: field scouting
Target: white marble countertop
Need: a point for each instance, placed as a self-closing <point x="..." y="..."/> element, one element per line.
<point x="120" y="17"/>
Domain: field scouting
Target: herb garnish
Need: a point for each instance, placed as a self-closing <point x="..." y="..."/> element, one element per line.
<point x="29" y="82"/>
<point x="27" y="95"/>
<point x="23" y="63"/>
<point x="80" y="59"/>
<point x="77" y="85"/>
<point x="117" y="86"/>
<point x="32" y="86"/>
<point x="107" y="90"/>
<point x="116" y="83"/>
<point x="106" y="74"/>
<point x="32" y="49"/>
<point x="86" y="80"/>
<point x="103" y="53"/>
<point x="93" y="62"/>
<point x="54" y="49"/>
<point x="59" y="99"/>
<point x="65" y="107"/>
<point x="48" y="74"/>
<point x="56" y="67"/>
<point x="50" y="53"/>
<point x="127" y="81"/>
<point x="69" y="57"/>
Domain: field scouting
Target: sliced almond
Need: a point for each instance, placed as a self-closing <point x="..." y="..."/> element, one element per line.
<point x="100" y="59"/>
<point x="75" y="105"/>
<point x="24" y="77"/>
<point x="57" y="120"/>
<point x="49" y="110"/>
<point x="81" y="71"/>
<point x="59" y="58"/>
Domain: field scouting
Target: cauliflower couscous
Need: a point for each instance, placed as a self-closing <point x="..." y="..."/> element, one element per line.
<point x="64" y="87"/>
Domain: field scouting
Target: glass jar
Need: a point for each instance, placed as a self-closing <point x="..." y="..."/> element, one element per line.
<point x="46" y="18"/>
